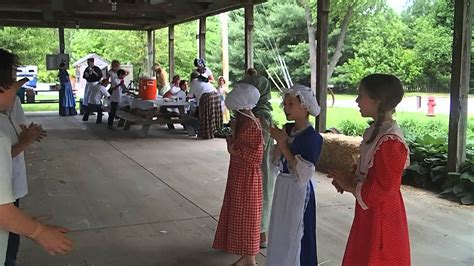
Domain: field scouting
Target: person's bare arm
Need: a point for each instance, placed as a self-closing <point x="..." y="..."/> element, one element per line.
<point x="51" y="238"/>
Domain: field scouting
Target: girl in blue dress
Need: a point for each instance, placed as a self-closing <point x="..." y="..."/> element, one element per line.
<point x="292" y="233"/>
<point x="67" y="102"/>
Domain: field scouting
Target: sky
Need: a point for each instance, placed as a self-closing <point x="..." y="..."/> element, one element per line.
<point x="397" y="5"/>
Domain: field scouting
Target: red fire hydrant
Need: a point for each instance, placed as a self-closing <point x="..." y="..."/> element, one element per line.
<point x="431" y="105"/>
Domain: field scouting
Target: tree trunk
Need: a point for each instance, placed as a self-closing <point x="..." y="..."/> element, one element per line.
<point x="311" y="42"/>
<point x="340" y="41"/>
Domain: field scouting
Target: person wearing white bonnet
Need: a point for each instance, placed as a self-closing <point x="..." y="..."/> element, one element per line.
<point x="292" y="233"/>
<point x="238" y="229"/>
<point x="307" y="98"/>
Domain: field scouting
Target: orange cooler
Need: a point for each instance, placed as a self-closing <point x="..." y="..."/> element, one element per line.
<point x="147" y="88"/>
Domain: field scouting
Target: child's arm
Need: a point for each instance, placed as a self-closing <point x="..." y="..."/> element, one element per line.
<point x="245" y="146"/>
<point x="104" y="91"/>
<point x="302" y="163"/>
<point x="281" y="138"/>
<point x="27" y="136"/>
<point x="385" y="179"/>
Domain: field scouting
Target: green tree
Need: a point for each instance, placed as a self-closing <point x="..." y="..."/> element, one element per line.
<point x="32" y="45"/>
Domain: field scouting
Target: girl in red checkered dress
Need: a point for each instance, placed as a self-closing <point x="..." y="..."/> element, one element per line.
<point x="379" y="233"/>
<point x="238" y="230"/>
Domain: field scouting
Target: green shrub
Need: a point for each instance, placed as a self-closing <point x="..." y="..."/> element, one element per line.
<point x="351" y="128"/>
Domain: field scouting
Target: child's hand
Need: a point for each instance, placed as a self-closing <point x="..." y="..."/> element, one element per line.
<point x="280" y="136"/>
<point x="54" y="240"/>
<point x="29" y="134"/>
<point x="42" y="133"/>
<point x="343" y="180"/>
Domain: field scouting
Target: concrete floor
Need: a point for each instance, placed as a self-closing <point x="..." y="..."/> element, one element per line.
<point x="155" y="201"/>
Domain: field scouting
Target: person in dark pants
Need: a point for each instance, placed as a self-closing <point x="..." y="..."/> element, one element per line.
<point x="116" y="90"/>
<point x="95" y="100"/>
<point x="92" y="74"/>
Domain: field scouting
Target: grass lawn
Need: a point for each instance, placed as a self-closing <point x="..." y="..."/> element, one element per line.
<point x="336" y="115"/>
<point x="41" y="107"/>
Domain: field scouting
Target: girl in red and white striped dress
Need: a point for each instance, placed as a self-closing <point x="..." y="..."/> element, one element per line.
<point x="238" y="230"/>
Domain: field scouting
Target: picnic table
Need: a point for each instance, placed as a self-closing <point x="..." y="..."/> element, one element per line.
<point x="135" y="111"/>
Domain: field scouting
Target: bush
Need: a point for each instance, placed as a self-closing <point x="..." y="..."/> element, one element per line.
<point x="351" y="128"/>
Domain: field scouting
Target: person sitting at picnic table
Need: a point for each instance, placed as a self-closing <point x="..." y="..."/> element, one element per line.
<point x="67" y="103"/>
<point x="174" y="87"/>
<point x="182" y="95"/>
<point x="209" y="110"/>
<point x="95" y="100"/>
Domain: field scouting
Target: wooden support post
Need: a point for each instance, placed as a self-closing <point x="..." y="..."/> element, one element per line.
<point x="61" y="40"/>
<point x="322" y="62"/>
<point x="202" y="38"/>
<point x="224" y="18"/>
<point x="460" y="71"/>
<point x="171" y="51"/>
<point x="150" y="34"/>
<point x="249" y="36"/>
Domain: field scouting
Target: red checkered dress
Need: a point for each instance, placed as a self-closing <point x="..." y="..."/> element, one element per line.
<point x="238" y="230"/>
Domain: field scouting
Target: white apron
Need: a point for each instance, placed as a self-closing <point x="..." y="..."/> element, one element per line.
<point x="87" y="92"/>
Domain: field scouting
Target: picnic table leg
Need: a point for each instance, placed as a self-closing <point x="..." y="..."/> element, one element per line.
<point x="145" y="127"/>
<point x="129" y="124"/>
<point x="186" y="123"/>
<point x="121" y="122"/>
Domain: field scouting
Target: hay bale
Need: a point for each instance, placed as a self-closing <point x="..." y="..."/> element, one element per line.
<point x="339" y="152"/>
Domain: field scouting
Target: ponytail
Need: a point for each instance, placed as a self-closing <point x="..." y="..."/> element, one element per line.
<point x="378" y="123"/>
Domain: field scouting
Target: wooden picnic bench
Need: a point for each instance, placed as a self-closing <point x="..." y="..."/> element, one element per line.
<point x="144" y="116"/>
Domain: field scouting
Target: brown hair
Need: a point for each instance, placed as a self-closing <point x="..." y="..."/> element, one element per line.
<point x="8" y="61"/>
<point x="176" y="78"/>
<point x="388" y="90"/>
<point x="251" y="72"/>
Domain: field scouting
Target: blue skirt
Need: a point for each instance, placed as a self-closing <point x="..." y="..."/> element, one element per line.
<point x="308" y="255"/>
<point x="67" y="102"/>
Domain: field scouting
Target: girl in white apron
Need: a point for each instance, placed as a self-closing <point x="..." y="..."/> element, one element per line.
<point x="292" y="233"/>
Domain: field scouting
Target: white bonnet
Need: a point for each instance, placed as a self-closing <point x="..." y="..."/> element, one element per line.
<point x="243" y="97"/>
<point x="307" y="98"/>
